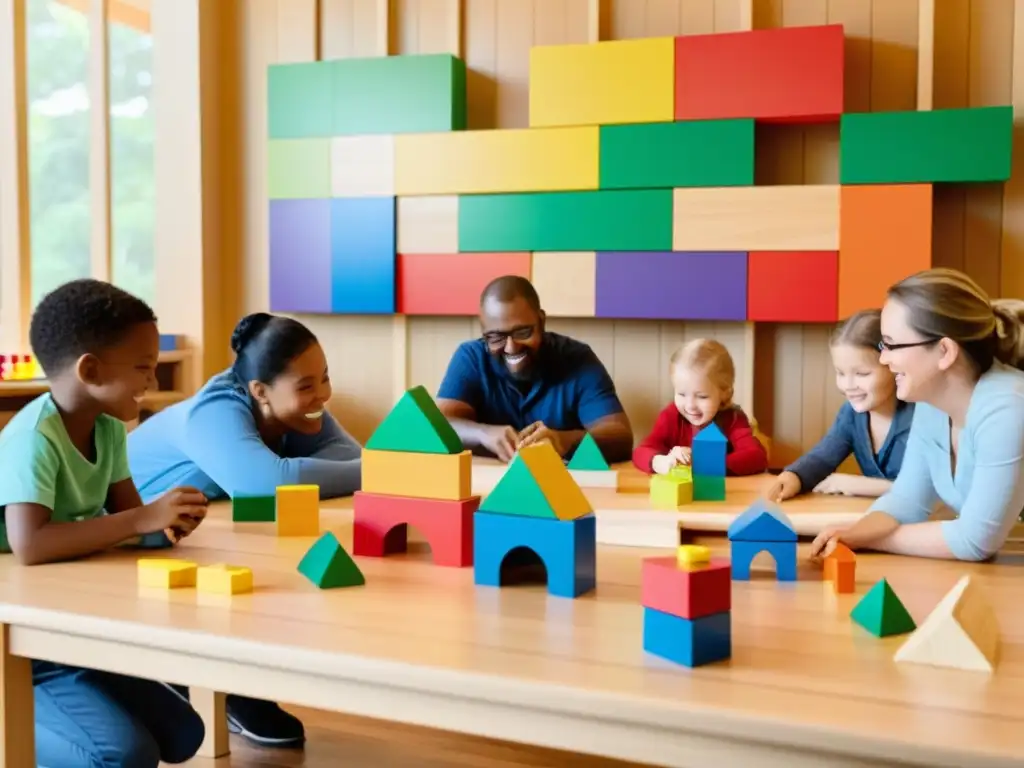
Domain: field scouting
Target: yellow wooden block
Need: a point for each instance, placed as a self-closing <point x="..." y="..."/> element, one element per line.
<point x="224" y="579"/>
<point x="672" y="490"/>
<point x="298" y="510"/>
<point x="166" y="573"/>
<point x="766" y="218"/>
<point x="513" y="160"/>
<point x="618" y="81"/>
<point x="363" y="166"/>
<point x="562" y="493"/>
<point x="428" y="224"/>
<point x="692" y="554"/>
<point x="567" y="281"/>
<point x="424" y="475"/>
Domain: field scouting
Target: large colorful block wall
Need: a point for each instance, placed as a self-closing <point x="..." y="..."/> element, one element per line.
<point x="631" y="194"/>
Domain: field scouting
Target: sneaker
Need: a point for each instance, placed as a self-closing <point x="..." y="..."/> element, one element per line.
<point x="264" y="722"/>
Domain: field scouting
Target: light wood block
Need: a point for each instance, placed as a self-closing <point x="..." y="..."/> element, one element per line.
<point x="961" y="632"/>
<point x="298" y="510"/>
<point x="771" y="218"/>
<point x="166" y="573"/>
<point x="222" y="579"/>
<point x="566" y="282"/>
<point x="428" y="224"/>
<point x="362" y="166"/>
<point x="615" y="81"/>
<point x="492" y="161"/>
<point x="423" y="475"/>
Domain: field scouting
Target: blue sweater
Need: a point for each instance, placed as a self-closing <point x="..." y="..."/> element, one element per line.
<point x="850" y="433"/>
<point x="987" y="489"/>
<point x="210" y="442"/>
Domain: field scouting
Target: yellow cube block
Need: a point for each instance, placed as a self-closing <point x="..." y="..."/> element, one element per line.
<point x="298" y="510"/>
<point x="692" y="554"/>
<point x="166" y="573"/>
<point x="672" y="490"/>
<point x="423" y="475"/>
<point x="224" y="579"/>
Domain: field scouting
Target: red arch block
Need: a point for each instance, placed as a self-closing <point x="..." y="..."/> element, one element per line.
<point x="379" y="527"/>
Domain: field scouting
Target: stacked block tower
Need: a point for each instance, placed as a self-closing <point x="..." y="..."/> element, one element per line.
<point x="763" y="527"/>
<point x="687" y="607"/>
<point x="631" y="193"/>
<point x="415" y="471"/>
<point x="539" y="507"/>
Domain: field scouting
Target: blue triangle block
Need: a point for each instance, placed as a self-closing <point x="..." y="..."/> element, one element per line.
<point x="762" y="521"/>
<point x="711" y="434"/>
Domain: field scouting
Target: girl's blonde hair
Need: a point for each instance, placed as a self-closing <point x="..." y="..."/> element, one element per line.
<point x="863" y="329"/>
<point x="713" y="360"/>
<point x="945" y="303"/>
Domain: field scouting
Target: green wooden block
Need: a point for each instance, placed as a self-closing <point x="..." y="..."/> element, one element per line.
<point x="942" y="145"/>
<point x="328" y="565"/>
<point x="399" y="94"/>
<point x="299" y="168"/>
<point x="693" y="153"/>
<point x="882" y="613"/>
<point x="299" y="101"/>
<point x="588" y="455"/>
<point x="253" y="509"/>
<point x="602" y="220"/>
<point x="517" y="493"/>
<point x="707" y="488"/>
<point x="416" y="425"/>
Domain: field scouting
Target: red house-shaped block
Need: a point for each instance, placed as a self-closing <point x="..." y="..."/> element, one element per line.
<point x="690" y="592"/>
<point x="786" y="75"/>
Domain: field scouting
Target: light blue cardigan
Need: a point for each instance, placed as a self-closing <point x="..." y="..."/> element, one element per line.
<point x="210" y="442"/>
<point x="987" y="491"/>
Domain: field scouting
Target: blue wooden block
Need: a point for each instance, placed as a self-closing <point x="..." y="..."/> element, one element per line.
<point x="709" y="449"/>
<point x="169" y="342"/>
<point x="363" y="255"/>
<point x="742" y="554"/>
<point x="691" y="642"/>
<point x="762" y="521"/>
<point x="568" y="549"/>
<point x="708" y="488"/>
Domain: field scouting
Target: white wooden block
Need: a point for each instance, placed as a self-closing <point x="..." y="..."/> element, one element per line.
<point x="362" y="166"/>
<point x="567" y="281"/>
<point x="428" y="224"/>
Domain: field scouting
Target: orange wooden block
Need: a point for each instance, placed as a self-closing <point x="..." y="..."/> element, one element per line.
<point x="841" y="569"/>
<point x="451" y="283"/>
<point x="885" y="234"/>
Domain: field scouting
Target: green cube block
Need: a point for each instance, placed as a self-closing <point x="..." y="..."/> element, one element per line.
<point x="299" y="168"/>
<point x="708" y="488"/>
<point x="612" y="220"/>
<point x="399" y="94"/>
<point x="943" y="145"/>
<point x="253" y="509"/>
<point x="693" y="153"/>
<point x="299" y="101"/>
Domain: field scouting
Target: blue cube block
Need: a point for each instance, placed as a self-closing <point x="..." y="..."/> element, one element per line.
<point x="690" y="642"/>
<point x="363" y="255"/>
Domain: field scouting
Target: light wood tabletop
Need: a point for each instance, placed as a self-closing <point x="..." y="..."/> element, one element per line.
<point x="420" y="644"/>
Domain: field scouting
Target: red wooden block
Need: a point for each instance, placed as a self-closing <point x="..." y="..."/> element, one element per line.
<point x="451" y="283"/>
<point x="379" y="526"/>
<point x="691" y="592"/>
<point x="793" y="286"/>
<point x="785" y="75"/>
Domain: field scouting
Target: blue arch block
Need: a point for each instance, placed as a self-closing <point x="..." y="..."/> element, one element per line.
<point x="568" y="549"/>
<point x="742" y="553"/>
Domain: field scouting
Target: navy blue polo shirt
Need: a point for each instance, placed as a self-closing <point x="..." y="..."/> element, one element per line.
<point x="571" y="388"/>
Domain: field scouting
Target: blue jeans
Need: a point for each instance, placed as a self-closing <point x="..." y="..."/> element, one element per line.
<point x="91" y="719"/>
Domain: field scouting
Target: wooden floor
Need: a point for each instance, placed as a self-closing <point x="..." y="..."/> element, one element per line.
<point x="333" y="740"/>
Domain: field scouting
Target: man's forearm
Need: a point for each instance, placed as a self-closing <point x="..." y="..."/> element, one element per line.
<point x="469" y="432"/>
<point x="615" y="441"/>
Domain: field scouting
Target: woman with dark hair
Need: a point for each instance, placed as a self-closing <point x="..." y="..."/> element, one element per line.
<point x="260" y="424"/>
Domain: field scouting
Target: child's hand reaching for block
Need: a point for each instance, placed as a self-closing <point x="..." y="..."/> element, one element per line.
<point x="681" y="454"/>
<point x="180" y="510"/>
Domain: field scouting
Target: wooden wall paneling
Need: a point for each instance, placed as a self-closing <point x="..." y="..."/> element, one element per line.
<point x="925" y="54"/>
<point x="1012" y="266"/>
<point x="99" y="140"/>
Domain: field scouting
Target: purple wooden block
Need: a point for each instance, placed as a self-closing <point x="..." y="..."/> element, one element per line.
<point x="672" y="285"/>
<point x="300" y="255"/>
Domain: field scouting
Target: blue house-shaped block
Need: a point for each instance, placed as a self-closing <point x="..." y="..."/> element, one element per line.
<point x="763" y="527"/>
<point x="710" y="447"/>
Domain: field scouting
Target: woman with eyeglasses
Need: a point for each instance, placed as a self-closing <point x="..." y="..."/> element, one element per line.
<point x="958" y="356"/>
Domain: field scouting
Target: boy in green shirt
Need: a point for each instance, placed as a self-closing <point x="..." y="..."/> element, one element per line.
<point x="66" y="492"/>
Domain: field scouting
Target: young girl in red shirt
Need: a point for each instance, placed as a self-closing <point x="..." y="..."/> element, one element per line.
<point x="703" y="377"/>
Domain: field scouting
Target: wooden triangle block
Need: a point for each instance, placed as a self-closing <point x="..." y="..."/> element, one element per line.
<point x="415" y="425"/>
<point x="328" y="565"/>
<point x="882" y="613"/>
<point x="588" y="456"/>
<point x="961" y="632"/>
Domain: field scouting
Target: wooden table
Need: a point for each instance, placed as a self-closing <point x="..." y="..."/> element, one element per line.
<point x="421" y="644"/>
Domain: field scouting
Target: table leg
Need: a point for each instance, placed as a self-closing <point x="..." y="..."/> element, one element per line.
<point x="17" y="708"/>
<point x="210" y="706"/>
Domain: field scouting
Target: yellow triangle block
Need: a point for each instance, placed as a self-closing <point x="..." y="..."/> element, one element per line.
<point x="961" y="632"/>
<point x="537" y="484"/>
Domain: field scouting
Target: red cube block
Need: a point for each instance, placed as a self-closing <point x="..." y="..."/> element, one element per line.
<point x="793" y="286"/>
<point x="785" y="75"/>
<point x="688" y="592"/>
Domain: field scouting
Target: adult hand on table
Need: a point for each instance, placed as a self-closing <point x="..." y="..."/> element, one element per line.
<point x="538" y="433"/>
<point x="785" y="486"/>
<point x="501" y="441"/>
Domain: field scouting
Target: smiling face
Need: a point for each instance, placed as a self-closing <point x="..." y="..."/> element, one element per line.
<point x="513" y="332"/>
<point x="118" y="377"/>
<point x="860" y="376"/>
<point x="917" y="362"/>
<point x="696" y="396"/>
<point x="297" y="397"/>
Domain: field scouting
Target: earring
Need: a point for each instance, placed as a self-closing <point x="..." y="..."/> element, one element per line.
<point x="265" y="408"/>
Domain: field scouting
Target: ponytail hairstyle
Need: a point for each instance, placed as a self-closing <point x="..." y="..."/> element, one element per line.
<point x="945" y="303"/>
<point x="862" y="329"/>
<point x="265" y="344"/>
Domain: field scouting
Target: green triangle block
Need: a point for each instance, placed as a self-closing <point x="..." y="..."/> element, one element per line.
<point x="588" y="455"/>
<point x="882" y="613"/>
<point x="517" y="493"/>
<point x="328" y="565"/>
<point x="415" y="425"/>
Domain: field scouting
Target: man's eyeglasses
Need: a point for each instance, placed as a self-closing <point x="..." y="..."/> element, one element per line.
<point x="499" y="338"/>
<point x="882" y="345"/>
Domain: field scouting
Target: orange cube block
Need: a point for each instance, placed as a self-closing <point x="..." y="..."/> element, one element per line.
<point x="298" y="510"/>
